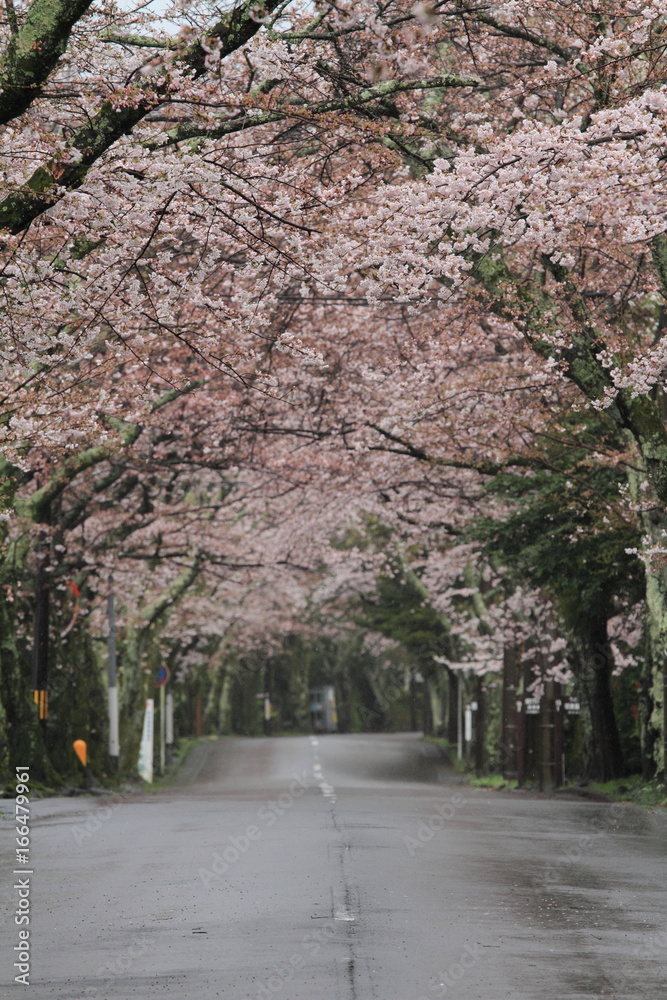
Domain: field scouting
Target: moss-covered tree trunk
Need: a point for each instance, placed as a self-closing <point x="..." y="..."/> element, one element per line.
<point x="139" y="659"/>
<point x="214" y="710"/>
<point x="654" y="721"/>
<point x="21" y="737"/>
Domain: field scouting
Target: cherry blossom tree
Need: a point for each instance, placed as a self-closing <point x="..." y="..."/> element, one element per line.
<point x="365" y="252"/>
<point x="540" y="205"/>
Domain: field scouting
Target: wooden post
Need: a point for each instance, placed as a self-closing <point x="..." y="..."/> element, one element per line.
<point x="480" y="727"/>
<point x="547" y="742"/>
<point x="510" y="692"/>
<point x="199" y="721"/>
<point x="559" y="756"/>
<point x="520" y="743"/>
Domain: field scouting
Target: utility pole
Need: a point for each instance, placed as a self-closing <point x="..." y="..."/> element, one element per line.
<point x="114" y="741"/>
<point x="459" y="716"/>
<point x="41" y="635"/>
<point x="267" y="697"/>
<point x="161" y="682"/>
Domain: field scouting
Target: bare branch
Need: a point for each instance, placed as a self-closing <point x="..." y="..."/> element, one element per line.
<point x="303" y="111"/>
<point x="514" y="31"/>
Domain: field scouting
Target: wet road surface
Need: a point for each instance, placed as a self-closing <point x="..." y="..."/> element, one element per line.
<point x="338" y="868"/>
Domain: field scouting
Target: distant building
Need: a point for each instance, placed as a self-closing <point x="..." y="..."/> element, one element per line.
<point x="323" y="715"/>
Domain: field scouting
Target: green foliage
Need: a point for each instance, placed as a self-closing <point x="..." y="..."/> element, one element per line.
<point x="626" y="692"/>
<point x="400" y="611"/>
<point x="564" y="529"/>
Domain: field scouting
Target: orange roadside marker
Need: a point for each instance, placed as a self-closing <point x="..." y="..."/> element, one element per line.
<point x="81" y="750"/>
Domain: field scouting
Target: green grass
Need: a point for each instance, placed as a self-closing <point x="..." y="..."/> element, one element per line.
<point x="37" y="790"/>
<point x="632" y="789"/>
<point x="495" y="781"/>
<point x="443" y="745"/>
<point x="182" y="751"/>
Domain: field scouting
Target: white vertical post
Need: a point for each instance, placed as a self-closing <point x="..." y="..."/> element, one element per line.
<point x="114" y="739"/>
<point x="468" y="725"/>
<point x="146" y="747"/>
<point x="163" y="728"/>
<point x="169" y="736"/>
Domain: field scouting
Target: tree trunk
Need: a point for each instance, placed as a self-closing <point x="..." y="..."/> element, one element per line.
<point x="596" y="666"/>
<point x="413" y="701"/>
<point x="452" y="708"/>
<point x="653" y="715"/>
<point x="21" y="741"/>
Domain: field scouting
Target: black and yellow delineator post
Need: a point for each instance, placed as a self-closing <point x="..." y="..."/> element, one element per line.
<point x="42" y="700"/>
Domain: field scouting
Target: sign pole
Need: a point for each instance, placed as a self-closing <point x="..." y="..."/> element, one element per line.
<point x="169" y="723"/>
<point x="161" y="682"/>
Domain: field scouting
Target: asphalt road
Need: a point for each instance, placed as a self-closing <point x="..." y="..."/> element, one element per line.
<point x="338" y="868"/>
